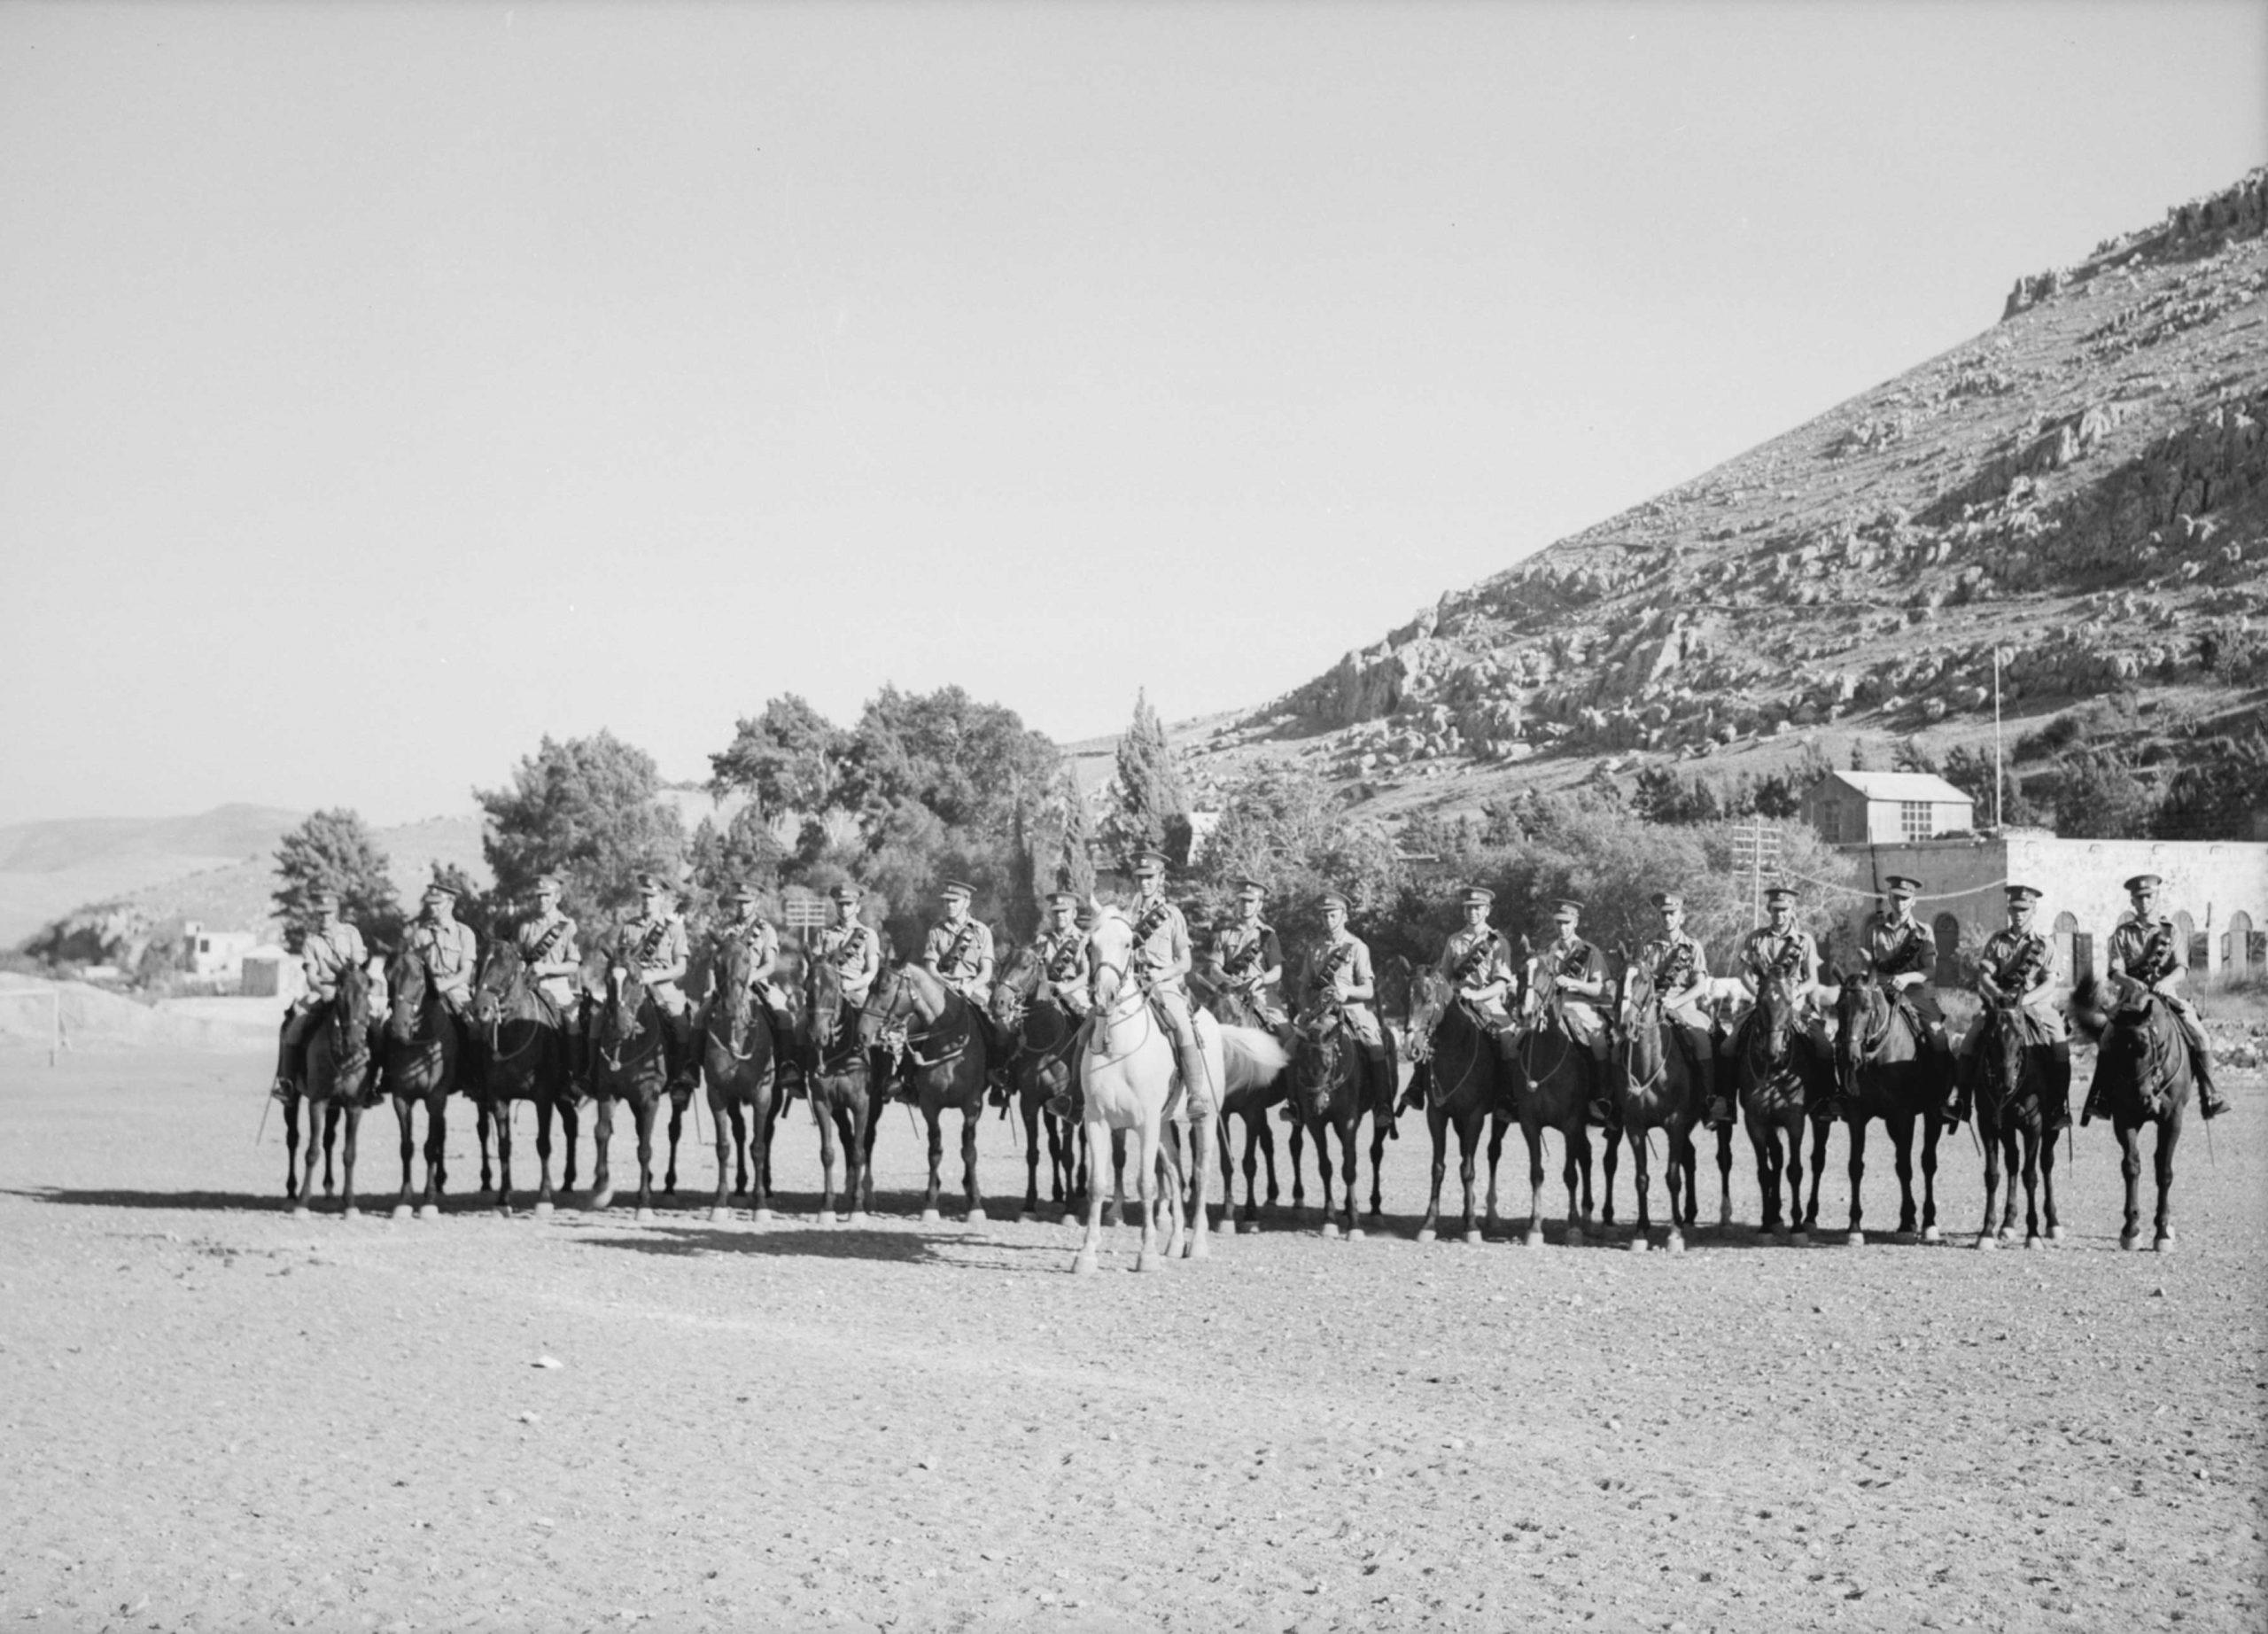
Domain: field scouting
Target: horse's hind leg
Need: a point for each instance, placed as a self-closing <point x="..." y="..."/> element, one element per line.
<point x="1725" y="1177"/>
<point x="291" y="1146"/>
<point x="1901" y="1140"/>
<point x="544" y="1108"/>
<point x="352" y="1114"/>
<point x="1610" y="1139"/>
<point x="1299" y="1161"/>
<point x="677" y="1128"/>
<point x="437" y="1141"/>
<point x="503" y="1114"/>
<point x="2047" y="1188"/>
<point x="1857" y="1173"/>
<point x="1381" y="1130"/>
<point x="1029" y="1110"/>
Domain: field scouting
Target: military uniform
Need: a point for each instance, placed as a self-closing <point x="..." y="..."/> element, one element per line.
<point x="451" y="954"/>
<point x="960" y="955"/>
<point x="546" y="947"/>
<point x="2014" y="970"/>
<point x="1334" y="974"/>
<point x="325" y="953"/>
<point x="1678" y="966"/>
<point x="856" y="951"/>
<point x="1903" y="954"/>
<point x="1246" y="963"/>
<point x="1161" y="961"/>
<point x="1063" y="969"/>
<point x="2149" y="950"/>
<point x="656" y="946"/>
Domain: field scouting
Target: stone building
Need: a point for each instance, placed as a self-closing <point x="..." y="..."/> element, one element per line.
<point x="2216" y="893"/>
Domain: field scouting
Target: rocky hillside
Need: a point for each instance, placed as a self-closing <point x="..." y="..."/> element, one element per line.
<point x="2085" y="487"/>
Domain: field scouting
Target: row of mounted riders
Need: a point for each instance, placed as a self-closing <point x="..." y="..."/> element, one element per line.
<point x="1796" y="1056"/>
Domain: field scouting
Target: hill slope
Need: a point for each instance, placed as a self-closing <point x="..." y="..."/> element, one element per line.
<point x="47" y="868"/>
<point x="2083" y="487"/>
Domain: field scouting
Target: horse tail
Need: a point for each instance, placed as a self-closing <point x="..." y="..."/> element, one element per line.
<point x="1251" y="1057"/>
<point x="2088" y="1010"/>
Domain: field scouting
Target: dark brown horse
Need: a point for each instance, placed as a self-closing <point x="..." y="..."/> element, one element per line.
<point x="1774" y="1067"/>
<point x="935" y="1033"/>
<point x="742" y="1080"/>
<point x="1252" y="1092"/>
<point x="1883" y="1069"/>
<point x="1330" y="1090"/>
<point x="336" y="1084"/>
<point x="523" y="1042"/>
<point x="837" y="1046"/>
<point x="1455" y="1058"/>
<point x="1550" y="1089"/>
<point x="626" y="1063"/>
<point x="1040" y="1035"/>
<point x="2142" y="1076"/>
<point x="1653" y="1084"/>
<point x="2015" y="1071"/>
<point x="421" y="1044"/>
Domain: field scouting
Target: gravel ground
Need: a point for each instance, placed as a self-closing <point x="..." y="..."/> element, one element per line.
<point x="216" y="1417"/>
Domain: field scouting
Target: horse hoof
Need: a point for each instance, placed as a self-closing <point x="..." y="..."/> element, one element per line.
<point x="1533" y="1240"/>
<point x="1082" y="1263"/>
<point x="543" y="1211"/>
<point x="976" y="1217"/>
<point x="2130" y="1240"/>
<point x="1027" y="1218"/>
<point x="485" y="1193"/>
<point x="350" y="1212"/>
<point x="1639" y="1245"/>
<point x="1856" y="1239"/>
<point x="401" y="1211"/>
<point x="1249" y="1228"/>
<point x="1425" y="1235"/>
<point x="1474" y="1240"/>
<point x="1574" y="1236"/>
<point x="1801" y="1239"/>
<point x="601" y="1202"/>
<point x="2006" y="1235"/>
<point x="1148" y="1260"/>
<point x="1353" y="1233"/>
<point x="300" y="1211"/>
<point x="429" y="1210"/>
<point x="2036" y="1242"/>
<point x="1931" y="1234"/>
<point x="930" y="1216"/>
<point x="643" y="1215"/>
<point x="1675" y="1245"/>
<point x="719" y="1217"/>
<point x="1198" y="1249"/>
<point x="2058" y="1234"/>
<point x="761" y="1217"/>
<point x="854" y="1218"/>
<point x="2164" y="1244"/>
<point x="1330" y="1228"/>
<point x="1987" y="1241"/>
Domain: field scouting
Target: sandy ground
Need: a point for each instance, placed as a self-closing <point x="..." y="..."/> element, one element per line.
<point x="214" y="1417"/>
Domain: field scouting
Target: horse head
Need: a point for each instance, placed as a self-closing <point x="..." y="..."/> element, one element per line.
<point x="730" y="993"/>
<point x="1011" y="992"/>
<point x="626" y="997"/>
<point x="1862" y="1013"/>
<point x="1110" y="949"/>
<point x="349" y="1017"/>
<point x="1777" y="1009"/>
<point x="1431" y="994"/>
<point x="1638" y="1019"/>
<point x="409" y="990"/>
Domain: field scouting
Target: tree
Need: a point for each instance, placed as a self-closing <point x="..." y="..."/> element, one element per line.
<point x="1970" y="771"/>
<point x="972" y="764"/>
<point x="1909" y="755"/>
<point x="744" y="850"/>
<point x="2098" y="797"/>
<point x="1287" y="828"/>
<point x="789" y="757"/>
<point x="2222" y="798"/>
<point x="333" y="849"/>
<point x="588" y="810"/>
<point x="1148" y="793"/>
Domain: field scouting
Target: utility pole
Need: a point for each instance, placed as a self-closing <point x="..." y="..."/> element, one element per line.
<point x="1997" y="777"/>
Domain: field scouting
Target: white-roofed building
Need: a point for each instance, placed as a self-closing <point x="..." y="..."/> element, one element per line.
<point x="1886" y="808"/>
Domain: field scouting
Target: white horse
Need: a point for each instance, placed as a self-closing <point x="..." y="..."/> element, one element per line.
<point x="1130" y="1079"/>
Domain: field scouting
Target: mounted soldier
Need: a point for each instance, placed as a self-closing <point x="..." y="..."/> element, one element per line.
<point x="743" y="924"/>
<point x="1781" y="945"/>
<point x="1679" y="969"/>
<point x="546" y="947"/>
<point x="655" y="944"/>
<point x="451" y="956"/>
<point x="852" y="945"/>
<point x="1062" y="949"/>
<point x="2146" y="950"/>
<point x="1246" y="965"/>
<point x="1571" y="973"/>
<point x="1477" y="962"/>
<point x="1161" y="962"/>
<point x="2013" y="973"/>
<point x="330" y="944"/>
<point x="959" y="953"/>
<point x="1337" y="976"/>
<point x="1903" y="956"/>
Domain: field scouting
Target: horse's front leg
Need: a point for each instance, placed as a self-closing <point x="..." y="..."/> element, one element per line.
<point x="601" y="1140"/>
<point x="482" y="1114"/>
<point x="644" y="1110"/>
<point x="1988" y="1131"/>
<point x="403" y="1207"/>
<point x="1764" y="1138"/>
<point x="1641" y="1178"/>
<point x="1351" y="1136"/>
<point x="1901" y="1140"/>
<point x="1533" y="1132"/>
<point x="291" y="1146"/>
<point x="1202" y="1135"/>
<point x="1381" y="1130"/>
<point x="1468" y="1144"/>
<point x="571" y="1127"/>
<point x="1724" y="1177"/>
<point x="1497" y="1129"/>
<point x="832" y="1121"/>
<point x="1807" y="1216"/>
<point x="1146" y="1187"/>
<point x="2032" y="1141"/>
<point x="1575" y="1143"/>
<point x="353" y="1115"/>
<point x="743" y="1138"/>
<point x="678" y="1104"/>
<point x="972" y="1119"/>
<point x="1437" y="1125"/>
<point x="2168" y="1137"/>
<point x="545" y="1106"/>
<point x="1299" y="1162"/>
<point x="1257" y="1128"/>
<point x="2048" y="1187"/>
<point x="933" y="1114"/>
<point x="763" y="1118"/>
<point x="1117" y="1216"/>
<point x="2130" y="1169"/>
<point x="1930" y="1132"/>
<point x="1610" y="1141"/>
<point x="1085" y="1260"/>
<point x="437" y="1142"/>
<point x="1857" y="1173"/>
<point x="503" y="1157"/>
<point x="725" y="1125"/>
<point x="1029" y="1110"/>
<point x="1321" y="1135"/>
<point x="330" y="1142"/>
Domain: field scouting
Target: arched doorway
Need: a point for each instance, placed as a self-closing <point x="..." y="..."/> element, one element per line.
<point x="2184" y="930"/>
<point x="2239" y="960"/>
<point x="2066" y="938"/>
<point x="1945" y="931"/>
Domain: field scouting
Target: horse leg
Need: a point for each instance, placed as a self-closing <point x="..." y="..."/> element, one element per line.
<point x="830" y="1118"/>
<point x="2031" y="1237"/>
<point x="401" y="1105"/>
<point x="436" y="1139"/>
<point x="1117" y="1179"/>
<point x="677" y="1128"/>
<point x="1146" y="1188"/>
<point x="1208" y="1145"/>
<point x="1901" y="1140"/>
<point x="1224" y="1149"/>
<point x="643" y="1111"/>
<point x="724" y="1124"/>
<point x="1930" y="1132"/>
<point x="1808" y="1217"/>
<point x="1534" y="1133"/>
<point x="1574" y="1168"/>
<point x="352" y="1114"/>
<point x="482" y="1116"/>
<point x="1642" y="1180"/>
<point x="971" y="1116"/>
<point x="2048" y="1187"/>
<point x="1988" y="1130"/>
<point x="933" y="1114"/>
<point x="1724" y="1177"/>
<point x="1085" y="1261"/>
<point x="1797" y="1214"/>
<point x="1350" y="1150"/>
<point x="1322" y="1135"/>
<point x="602" y="1140"/>
<point x="1258" y="1126"/>
<point x="330" y="1141"/>
<point x="1468" y="1142"/>
<point x="1858" y="1172"/>
<point x="503" y="1116"/>
<point x="571" y="1127"/>
<point x="1764" y="1137"/>
<point x="2011" y="1167"/>
<point x="1437" y="1125"/>
<point x="1029" y="1110"/>
<point x="292" y="1148"/>
<point x="2130" y="1169"/>
<point x="869" y="1126"/>
<point x="2168" y="1137"/>
<point x="544" y="1107"/>
<point x="1610" y="1141"/>
<point x="1381" y="1130"/>
<point x="743" y="1138"/>
<point x="763" y="1117"/>
<point x="1299" y="1161"/>
<point x="1497" y="1128"/>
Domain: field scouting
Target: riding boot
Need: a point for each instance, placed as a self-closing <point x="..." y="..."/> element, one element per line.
<point x="2059" y="1089"/>
<point x="1714" y="1096"/>
<point x="1414" y="1097"/>
<point x="677" y="1051"/>
<point x="2210" y="1101"/>
<point x="997" y="1091"/>
<point x="2092" y="1108"/>
<point x="1601" y="1110"/>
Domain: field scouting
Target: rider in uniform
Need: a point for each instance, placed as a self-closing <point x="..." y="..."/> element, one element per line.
<point x="1338" y="972"/>
<point x="1246" y="965"/>
<point x="330" y="946"/>
<point x="2146" y="947"/>
<point x="1161" y="964"/>
<point x="851" y="945"/>
<point x="655" y="944"/>
<point x="1903" y="955"/>
<point x="959" y="953"/>
<point x="547" y="946"/>
<point x="743" y="924"/>
<point x="1477" y="962"/>
<point x="1778" y="944"/>
<point x="1063" y="950"/>
<point x="451" y="955"/>
<point x="1577" y="972"/>
<point x="2012" y="972"/>
<point x="1679" y="969"/>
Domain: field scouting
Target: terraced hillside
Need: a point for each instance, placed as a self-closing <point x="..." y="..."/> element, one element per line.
<point x="2084" y="488"/>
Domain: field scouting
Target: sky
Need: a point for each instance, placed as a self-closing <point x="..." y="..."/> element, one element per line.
<point x="384" y="388"/>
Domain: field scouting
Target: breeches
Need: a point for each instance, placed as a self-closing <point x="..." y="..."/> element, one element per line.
<point x="2192" y="1030"/>
<point x="1585" y="1024"/>
<point x="1364" y="1022"/>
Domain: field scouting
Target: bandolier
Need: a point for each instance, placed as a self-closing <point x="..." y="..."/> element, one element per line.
<point x="2146" y="950"/>
<point x="656" y="944"/>
<point x="1573" y="972"/>
<point x="1679" y="966"/>
<point x="1337" y="976"/>
<point x="2014" y="970"/>
<point x="1246" y="961"/>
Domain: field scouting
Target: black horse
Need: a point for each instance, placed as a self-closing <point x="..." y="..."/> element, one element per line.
<point x="523" y="1042"/>
<point x="2016" y="1077"/>
<point x="1455" y="1058"/>
<point x="2142" y="1076"/>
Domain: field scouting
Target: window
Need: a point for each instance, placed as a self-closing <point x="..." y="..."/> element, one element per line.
<point x="1914" y="819"/>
